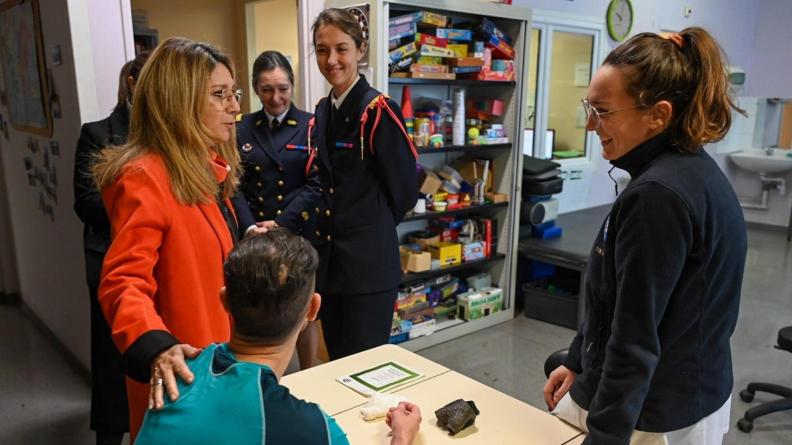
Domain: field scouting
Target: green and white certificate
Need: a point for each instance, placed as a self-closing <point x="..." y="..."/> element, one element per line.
<point x="380" y="378"/>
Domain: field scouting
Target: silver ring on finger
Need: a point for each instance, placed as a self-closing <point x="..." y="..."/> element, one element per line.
<point x="158" y="382"/>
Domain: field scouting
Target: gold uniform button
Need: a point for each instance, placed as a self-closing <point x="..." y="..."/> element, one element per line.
<point x="259" y="185"/>
<point x="280" y="198"/>
<point x="261" y="214"/>
<point x="260" y="199"/>
<point x="280" y="183"/>
<point x="318" y="211"/>
<point x="305" y="216"/>
<point x="279" y="212"/>
<point x="318" y="233"/>
<point x="329" y="238"/>
<point x="257" y="168"/>
<point x="280" y="168"/>
<point x="327" y="212"/>
<point x="332" y="190"/>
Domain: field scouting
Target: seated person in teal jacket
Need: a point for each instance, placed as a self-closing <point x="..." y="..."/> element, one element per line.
<point x="235" y="396"/>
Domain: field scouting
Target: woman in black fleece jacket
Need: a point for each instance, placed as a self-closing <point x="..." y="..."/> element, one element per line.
<point x="652" y="360"/>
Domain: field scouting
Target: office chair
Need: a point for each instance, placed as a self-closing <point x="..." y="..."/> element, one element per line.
<point x="746" y="423"/>
<point x="555" y="360"/>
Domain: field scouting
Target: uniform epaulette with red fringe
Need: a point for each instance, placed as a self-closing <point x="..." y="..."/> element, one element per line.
<point x="311" y="148"/>
<point x="379" y="103"/>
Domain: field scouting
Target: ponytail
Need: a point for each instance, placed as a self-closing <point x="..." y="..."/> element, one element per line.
<point x="689" y="71"/>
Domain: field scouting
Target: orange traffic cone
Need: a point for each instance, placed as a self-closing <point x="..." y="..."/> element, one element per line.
<point x="407" y="109"/>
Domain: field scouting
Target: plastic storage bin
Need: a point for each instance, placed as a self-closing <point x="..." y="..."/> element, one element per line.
<point x="554" y="299"/>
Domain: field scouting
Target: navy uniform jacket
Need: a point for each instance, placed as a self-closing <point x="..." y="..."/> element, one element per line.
<point x="366" y="190"/>
<point x="275" y="185"/>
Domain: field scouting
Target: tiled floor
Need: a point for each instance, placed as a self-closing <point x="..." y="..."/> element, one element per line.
<point x="44" y="401"/>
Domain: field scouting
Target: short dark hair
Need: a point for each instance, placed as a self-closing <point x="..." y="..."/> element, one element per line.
<point x="268" y="61"/>
<point x="137" y="64"/>
<point x="131" y="68"/>
<point x="269" y="281"/>
<point x="343" y="20"/>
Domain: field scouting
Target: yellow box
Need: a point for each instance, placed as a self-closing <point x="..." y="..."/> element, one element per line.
<point x="449" y="254"/>
<point x="460" y="49"/>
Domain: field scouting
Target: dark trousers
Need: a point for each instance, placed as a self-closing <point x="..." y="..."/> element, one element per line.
<point x="356" y="322"/>
<point x="109" y="408"/>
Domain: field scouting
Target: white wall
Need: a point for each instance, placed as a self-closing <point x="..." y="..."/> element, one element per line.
<point x="49" y="255"/>
<point x="770" y="72"/>
<point x="732" y="22"/>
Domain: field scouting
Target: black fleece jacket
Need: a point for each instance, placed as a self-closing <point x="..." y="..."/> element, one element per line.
<point x="662" y="296"/>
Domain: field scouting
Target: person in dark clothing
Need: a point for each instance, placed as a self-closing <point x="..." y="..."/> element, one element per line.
<point x="276" y="189"/>
<point x="651" y="362"/>
<point x="369" y="181"/>
<point x="109" y="411"/>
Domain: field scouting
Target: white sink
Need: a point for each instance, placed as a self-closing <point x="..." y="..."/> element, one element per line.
<point x="758" y="161"/>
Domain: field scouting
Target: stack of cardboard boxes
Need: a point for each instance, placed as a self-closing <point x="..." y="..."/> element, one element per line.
<point x="422" y="305"/>
<point x="429" y="45"/>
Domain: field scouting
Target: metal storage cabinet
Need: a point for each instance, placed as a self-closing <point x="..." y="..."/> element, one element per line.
<point x="507" y="158"/>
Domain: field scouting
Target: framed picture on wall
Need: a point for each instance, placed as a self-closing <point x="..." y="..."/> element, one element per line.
<point x="22" y="53"/>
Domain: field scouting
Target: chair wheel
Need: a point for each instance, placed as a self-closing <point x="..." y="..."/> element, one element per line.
<point x="746" y="396"/>
<point x="745" y="425"/>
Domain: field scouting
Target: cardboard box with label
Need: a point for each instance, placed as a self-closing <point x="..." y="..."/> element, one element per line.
<point x="479" y="303"/>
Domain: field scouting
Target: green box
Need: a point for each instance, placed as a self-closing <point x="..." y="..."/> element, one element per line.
<point x="479" y="303"/>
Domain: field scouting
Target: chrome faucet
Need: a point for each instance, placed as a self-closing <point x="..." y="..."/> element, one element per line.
<point x="770" y="149"/>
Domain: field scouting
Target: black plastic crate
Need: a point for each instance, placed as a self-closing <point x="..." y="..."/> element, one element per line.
<point x="554" y="299"/>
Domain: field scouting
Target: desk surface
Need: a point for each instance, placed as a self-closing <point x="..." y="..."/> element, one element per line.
<point x="319" y="384"/>
<point x="503" y="420"/>
<point x="580" y="230"/>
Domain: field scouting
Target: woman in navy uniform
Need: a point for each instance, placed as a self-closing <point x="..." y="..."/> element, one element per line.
<point x="367" y="170"/>
<point x="278" y="188"/>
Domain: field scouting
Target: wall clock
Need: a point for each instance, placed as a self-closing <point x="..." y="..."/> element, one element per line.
<point x="619" y="19"/>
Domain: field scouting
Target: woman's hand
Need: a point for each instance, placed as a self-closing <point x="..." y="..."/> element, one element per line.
<point x="166" y="366"/>
<point x="559" y="382"/>
<point x="405" y="421"/>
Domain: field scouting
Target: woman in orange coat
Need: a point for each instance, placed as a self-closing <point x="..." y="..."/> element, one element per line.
<point x="167" y="196"/>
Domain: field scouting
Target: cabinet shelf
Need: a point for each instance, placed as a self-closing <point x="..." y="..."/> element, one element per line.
<point x="418" y="276"/>
<point x="452" y="82"/>
<point x="448" y="148"/>
<point x="430" y="215"/>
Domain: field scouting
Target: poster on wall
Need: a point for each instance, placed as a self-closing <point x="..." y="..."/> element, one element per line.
<point x="40" y="163"/>
<point x="24" y="80"/>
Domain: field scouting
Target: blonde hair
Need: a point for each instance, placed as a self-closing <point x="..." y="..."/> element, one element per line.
<point x="169" y="97"/>
<point x="688" y="71"/>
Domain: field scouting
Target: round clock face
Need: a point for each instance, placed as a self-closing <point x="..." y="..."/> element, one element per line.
<point x="620" y="19"/>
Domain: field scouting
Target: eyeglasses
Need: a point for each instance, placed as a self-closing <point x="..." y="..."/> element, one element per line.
<point x="226" y="95"/>
<point x="594" y="113"/>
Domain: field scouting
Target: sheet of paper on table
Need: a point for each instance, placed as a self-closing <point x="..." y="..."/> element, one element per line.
<point x="380" y="378"/>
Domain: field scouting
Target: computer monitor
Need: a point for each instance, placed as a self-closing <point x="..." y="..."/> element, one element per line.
<point x="529" y="138"/>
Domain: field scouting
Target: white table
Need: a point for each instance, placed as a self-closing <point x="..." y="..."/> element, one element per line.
<point x="503" y="420"/>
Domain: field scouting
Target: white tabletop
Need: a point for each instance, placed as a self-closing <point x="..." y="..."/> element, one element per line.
<point x="503" y="420"/>
<point x="319" y="384"/>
